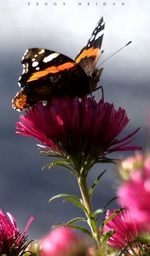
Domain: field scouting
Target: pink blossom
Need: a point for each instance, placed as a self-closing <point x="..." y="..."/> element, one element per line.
<point x="134" y="194"/>
<point x="77" y="127"/>
<point x="124" y="227"/>
<point x="130" y="164"/>
<point x="11" y="240"/>
<point x="59" y="241"/>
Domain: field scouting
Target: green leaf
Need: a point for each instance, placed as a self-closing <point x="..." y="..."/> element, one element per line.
<point x="75" y="220"/>
<point x="106" y="161"/>
<point x="96" y="183"/>
<point x="107" y="235"/>
<point x="110" y="201"/>
<point x="58" y="225"/>
<point x="45" y="151"/>
<point x="62" y="163"/>
<point x="114" y="214"/>
<point x="46" y="166"/>
<point x="145" y="237"/>
<point x="84" y="230"/>
<point x="92" y="222"/>
<point x="64" y="196"/>
<point x="50" y="153"/>
<point x="76" y="203"/>
<point x="99" y="211"/>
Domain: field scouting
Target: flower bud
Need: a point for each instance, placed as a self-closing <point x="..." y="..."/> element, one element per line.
<point x="61" y="241"/>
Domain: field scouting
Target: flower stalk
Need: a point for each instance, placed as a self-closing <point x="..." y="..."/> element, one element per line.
<point x="88" y="208"/>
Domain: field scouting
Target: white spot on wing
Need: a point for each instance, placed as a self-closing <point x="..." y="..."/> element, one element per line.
<point x="92" y="37"/>
<point x="99" y="34"/>
<point x="50" y="57"/>
<point x="23" y="57"/>
<point x="103" y="23"/>
<point x="42" y="51"/>
<point x="35" y="64"/>
<point x="26" y="52"/>
<point x="19" y="84"/>
<point x="25" y="68"/>
<point x="37" y="68"/>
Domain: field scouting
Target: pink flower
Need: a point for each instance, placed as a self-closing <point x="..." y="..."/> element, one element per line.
<point x="126" y="231"/>
<point x="129" y="165"/>
<point x="11" y="240"/>
<point x="82" y="129"/>
<point x="60" y="241"/>
<point x="135" y="193"/>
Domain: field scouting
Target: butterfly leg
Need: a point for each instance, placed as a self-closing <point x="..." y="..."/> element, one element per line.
<point x="102" y="91"/>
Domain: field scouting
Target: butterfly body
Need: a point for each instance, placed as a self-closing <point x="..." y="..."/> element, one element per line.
<point x="48" y="74"/>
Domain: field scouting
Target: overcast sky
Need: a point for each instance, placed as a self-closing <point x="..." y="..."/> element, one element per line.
<point x="24" y="188"/>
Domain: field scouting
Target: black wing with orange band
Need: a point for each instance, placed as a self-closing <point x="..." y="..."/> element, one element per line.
<point x="48" y="74"/>
<point x="38" y="63"/>
<point x="89" y="55"/>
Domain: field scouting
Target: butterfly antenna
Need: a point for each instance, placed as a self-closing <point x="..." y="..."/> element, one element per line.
<point x="115" y="53"/>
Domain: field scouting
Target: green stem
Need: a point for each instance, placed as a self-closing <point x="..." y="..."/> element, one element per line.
<point x="87" y="204"/>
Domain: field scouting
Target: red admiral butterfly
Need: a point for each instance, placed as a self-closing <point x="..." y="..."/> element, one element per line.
<point x="48" y="73"/>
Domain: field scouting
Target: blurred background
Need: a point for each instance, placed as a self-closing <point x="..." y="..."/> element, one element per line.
<point x="65" y="26"/>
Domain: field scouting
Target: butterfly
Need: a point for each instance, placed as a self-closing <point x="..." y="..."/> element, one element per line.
<point x="47" y="74"/>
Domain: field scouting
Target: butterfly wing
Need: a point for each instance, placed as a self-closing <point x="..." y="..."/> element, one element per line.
<point x="89" y="55"/>
<point x="39" y="64"/>
<point x="47" y="74"/>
